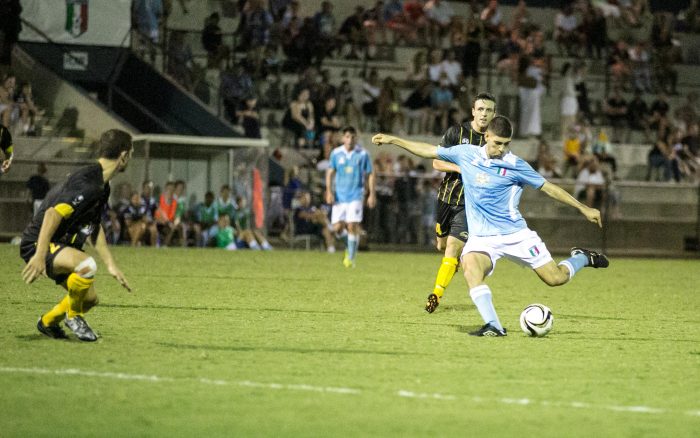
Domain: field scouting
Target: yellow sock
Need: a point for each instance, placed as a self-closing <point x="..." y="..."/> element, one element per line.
<point x="56" y="315"/>
<point x="77" y="288"/>
<point x="444" y="276"/>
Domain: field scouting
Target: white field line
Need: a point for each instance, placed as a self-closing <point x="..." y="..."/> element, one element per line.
<point x="342" y="390"/>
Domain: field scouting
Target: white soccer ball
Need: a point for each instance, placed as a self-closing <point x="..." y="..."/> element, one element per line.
<point x="536" y="320"/>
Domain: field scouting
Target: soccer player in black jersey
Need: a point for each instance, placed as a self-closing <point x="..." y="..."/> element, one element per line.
<point x="7" y="149"/>
<point x="52" y="242"/>
<point x="451" y="227"/>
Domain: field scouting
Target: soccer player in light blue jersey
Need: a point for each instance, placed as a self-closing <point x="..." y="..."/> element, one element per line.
<point x="350" y="167"/>
<point x="493" y="180"/>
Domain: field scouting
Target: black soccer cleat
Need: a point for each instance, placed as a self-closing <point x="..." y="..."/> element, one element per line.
<point x="490" y="331"/>
<point x="81" y="329"/>
<point x="432" y="304"/>
<point x="52" y="331"/>
<point x="595" y="260"/>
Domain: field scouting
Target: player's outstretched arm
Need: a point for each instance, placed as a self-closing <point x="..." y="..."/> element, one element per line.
<point x="103" y="250"/>
<point x="561" y="195"/>
<point x="445" y="166"/>
<point x="424" y="150"/>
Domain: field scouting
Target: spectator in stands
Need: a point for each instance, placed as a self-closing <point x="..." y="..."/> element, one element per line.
<point x="28" y="111"/>
<point x="618" y="64"/>
<point x="390" y="114"/>
<point x="439" y="14"/>
<point x="243" y="223"/>
<point x="347" y="108"/>
<point x="10" y="27"/>
<point x="666" y="53"/>
<point x="235" y="85"/>
<point x="328" y="124"/>
<point x="435" y="67"/>
<point x="415" y="16"/>
<point x="148" y="14"/>
<point x="291" y="17"/>
<point x="299" y="119"/>
<point x="38" y="186"/>
<point x="659" y="161"/>
<point x="530" y="90"/>
<point x="7" y="102"/>
<point x="206" y="217"/>
<point x="291" y="188"/>
<point x="573" y="151"/>
<point x="308" y="219"/>
<point x="249" y="117"/>
<point x="181" y="65"/>
<point x="375" y="28"/>
<point x="640" y="63"/>
<point x="453" y="69"/>
<point x="659" y="114"/>
<point x="590" y="184"/>
<point x="568" y="101"/>
<point x="352" y="32"/>
<point x="417" y="69"/>
<point x="398" y="21"/>
<point x="494" y="24"/>
<point x="165" y="215"/>
<point x="584" y="105"/>
<point x="470" y="52"/>
<point x="256" y="33"/>
<point x="687" y="113"/>
<point x="691" y="150"/>
<point x="225" y="204"/>
<point x="212" y="41"/>
<point x="615" y="109"/>
<point x="566" y="31"/>
<point x="441" y="101"/>
<point x="508" y="56"/>
<point x="6" y="150"/>
<point x="638" y="115"/>
<point x="324" y="20"/>
<point x="370" y="98"/>
<point x="594" y="27"/>
<point x="136" y="222"/>
<point x="603" y="150"/>
<point x="545" y="163"/>
<point x="418" y="106"/>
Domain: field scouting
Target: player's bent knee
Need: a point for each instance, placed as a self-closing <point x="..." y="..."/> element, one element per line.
<point x="87" y="268"/>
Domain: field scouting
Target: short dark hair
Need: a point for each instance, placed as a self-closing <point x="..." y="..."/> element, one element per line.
<point x="113" y="142"/>
<point x="501" y="126"/>
<point x="350" y="129"/>
<point x="484" y="96"/>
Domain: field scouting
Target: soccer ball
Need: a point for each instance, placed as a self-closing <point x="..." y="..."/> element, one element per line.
<point x="536" y="320"/>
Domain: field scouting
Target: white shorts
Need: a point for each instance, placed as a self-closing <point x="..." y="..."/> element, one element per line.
<point x="348" y="212"/>
<point x="523" y="247"/>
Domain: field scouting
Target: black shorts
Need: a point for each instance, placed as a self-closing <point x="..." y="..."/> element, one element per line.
<point x="28" y="249"/>
<point x="451" y="221"/>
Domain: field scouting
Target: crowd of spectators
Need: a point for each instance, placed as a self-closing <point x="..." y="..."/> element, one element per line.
<point x="18" y="111"/>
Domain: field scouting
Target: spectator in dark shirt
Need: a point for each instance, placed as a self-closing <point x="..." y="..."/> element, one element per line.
<point x="309" y="219"/>
<point x="38" y="186"/>
<point x="250" y="117"/>
<point x="638" y="115"/>
<point x="352" y="32"/>
<point x="615" y="109"/>
<point x="135" y="217"/>
<point x="212" y="41"/>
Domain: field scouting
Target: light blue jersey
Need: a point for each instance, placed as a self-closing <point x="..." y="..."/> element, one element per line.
<point x="492" y="188"/>
<point x="351" y="169"/>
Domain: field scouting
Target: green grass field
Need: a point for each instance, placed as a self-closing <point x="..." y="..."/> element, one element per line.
<point x="215" y="343"/>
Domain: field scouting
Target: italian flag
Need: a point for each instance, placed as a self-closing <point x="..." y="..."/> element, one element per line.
<point x="76" y="17"/>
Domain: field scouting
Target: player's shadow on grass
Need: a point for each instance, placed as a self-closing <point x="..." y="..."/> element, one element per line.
<point x="455" y="307"/>
<point x="286" y="349"/>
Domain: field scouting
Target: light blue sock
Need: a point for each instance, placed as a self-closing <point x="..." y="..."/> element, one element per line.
<point x="481" y="295"/>
<point x="575" y="264"/>
<point x="352" y="246"/>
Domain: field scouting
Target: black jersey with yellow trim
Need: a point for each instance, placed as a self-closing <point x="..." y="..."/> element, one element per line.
<point x="80" y="200"/>
<point x="6" y="142"/>
<point x="451" y="190"/>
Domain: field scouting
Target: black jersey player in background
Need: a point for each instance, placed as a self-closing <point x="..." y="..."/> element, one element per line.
<point x="451" y="227"/>
<point x="7" y="148"/>
<point x="52" y="242"/>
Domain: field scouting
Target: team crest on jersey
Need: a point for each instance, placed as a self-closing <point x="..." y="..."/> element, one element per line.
<point x="78" y="199"/>
<point x="76" y="17"/>
<point x="482" y="179"/>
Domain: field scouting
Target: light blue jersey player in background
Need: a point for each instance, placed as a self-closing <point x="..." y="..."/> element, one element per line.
<point x="350" y="166"/>
<point x="493" y="182"/>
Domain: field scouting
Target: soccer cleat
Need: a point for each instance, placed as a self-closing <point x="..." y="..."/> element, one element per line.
<point x="433" y="302"/>
<point x="595" y="260"/>
<point x="52" y="331"/>
<point x="348" y="263"/>
<point x="81" y="329"/>
<point x="489" y="330"/>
